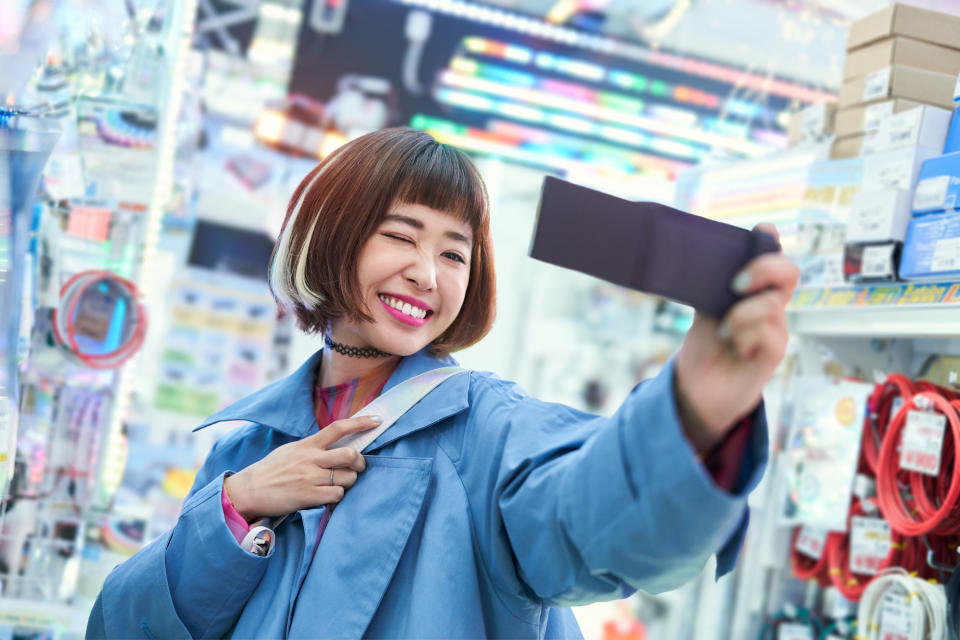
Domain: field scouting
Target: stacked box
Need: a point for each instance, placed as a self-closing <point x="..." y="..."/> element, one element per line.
<point x="900" y="57"/>
<point x="894" y="110"/>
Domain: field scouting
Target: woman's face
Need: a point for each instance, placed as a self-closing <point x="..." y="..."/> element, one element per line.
<point x="413" y="274"/>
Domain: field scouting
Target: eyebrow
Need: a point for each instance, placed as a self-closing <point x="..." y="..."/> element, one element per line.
<point x="417" y="224"/>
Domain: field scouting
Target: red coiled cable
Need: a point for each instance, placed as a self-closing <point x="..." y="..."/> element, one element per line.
<point x="878" y="415"/>
<point x="805" y="567"/>
<point x="851" y="585"/>
<point x="904" y="514"/>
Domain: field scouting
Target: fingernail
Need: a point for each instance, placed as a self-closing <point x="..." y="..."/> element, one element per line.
<point x="741" y="282"/>
<point x="375" y="419"/>
<point x="723" y="332"/>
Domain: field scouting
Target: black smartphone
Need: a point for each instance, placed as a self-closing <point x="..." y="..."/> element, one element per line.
<point x="645" y="246"/>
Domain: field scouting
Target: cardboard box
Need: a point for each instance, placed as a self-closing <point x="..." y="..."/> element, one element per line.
<point x="905" y="20"/>
<point x="866" y="118"/>
<point x="812" y="123"/>
<point x="877" y="215"/>
<point x="904" y="51"/>
<point x="898" y="169"/>
<point x="924" y="126"/>
<point x="938" y="186"/>
<point x="929" y="87"/>
<point x="932" y="248"/>
<point x="848" y="147"/>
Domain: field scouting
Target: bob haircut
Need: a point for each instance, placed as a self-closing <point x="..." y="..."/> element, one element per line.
<point x="341" y="203"/>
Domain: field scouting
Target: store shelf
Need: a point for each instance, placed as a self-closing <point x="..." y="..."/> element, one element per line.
<point x="892" y="310"/>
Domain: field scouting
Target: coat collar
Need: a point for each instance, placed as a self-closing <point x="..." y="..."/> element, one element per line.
<point x="287" y="404"/>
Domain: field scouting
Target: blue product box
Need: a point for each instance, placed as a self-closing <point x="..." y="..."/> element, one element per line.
<point x="932" y="248"/>
<point x="938" y="187"/>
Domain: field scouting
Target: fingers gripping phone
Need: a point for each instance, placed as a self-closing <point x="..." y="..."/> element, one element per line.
<point x="644" y="246"/>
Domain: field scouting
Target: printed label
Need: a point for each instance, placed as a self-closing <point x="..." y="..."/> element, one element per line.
<point x="895" y="617"/>
<point x="922" y="441"/>
<point x="902" y="129"/>
<point x="946" y="255"/>
<point x="794" y="631"/>
<point x="875" y="114"/>
<point x="869" y="544"/>
<point x="869" y="220"/>
<point x="877" y="84"/>
<point x="931" y="193"/>
<point x="813" y="121"/>
<point x="877" y="261"/>
<point x="811" y="541"/>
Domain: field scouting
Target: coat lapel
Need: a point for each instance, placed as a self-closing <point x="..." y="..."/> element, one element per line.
<point x="360" y="549"/>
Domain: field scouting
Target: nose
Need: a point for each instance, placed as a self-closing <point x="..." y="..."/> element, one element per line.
<point x="422" y="272"/>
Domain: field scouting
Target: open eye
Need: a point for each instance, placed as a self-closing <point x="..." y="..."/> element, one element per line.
<point x="452" y="255"/>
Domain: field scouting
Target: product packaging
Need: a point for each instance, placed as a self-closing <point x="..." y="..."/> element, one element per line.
<point x="847" y="147"/>
<point x="921" y="85"/>
<point x="867" y="118"/>
<point x="878" y="215"/>
<point x="923" y="126"/>
<point x="811" y="124"/>
<point x="938" y="187"/>
<point x="903" y="51"/>
<point x="905" y="20"/>
<point x="871" y="261"/>
<point x="932" y="248"/>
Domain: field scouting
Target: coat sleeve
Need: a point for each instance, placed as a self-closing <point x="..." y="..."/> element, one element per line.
<point x="192" y="582"/>
<point x="580" y="508"/>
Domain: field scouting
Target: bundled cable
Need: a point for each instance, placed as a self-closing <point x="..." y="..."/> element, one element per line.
<point x="852" y="585"/>
<point x="880" y="406"/>
<point x="99" y="320"/>
<point x="805" y="567"/>
<point x="926" y="601"/>
<point x="919" y="514"/>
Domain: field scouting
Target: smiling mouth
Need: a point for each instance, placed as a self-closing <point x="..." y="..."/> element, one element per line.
<point x="405" y="310"/>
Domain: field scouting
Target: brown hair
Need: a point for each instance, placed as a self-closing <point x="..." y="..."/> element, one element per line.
<point x="341" y="203"/>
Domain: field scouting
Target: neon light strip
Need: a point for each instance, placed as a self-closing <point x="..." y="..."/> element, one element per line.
<point x="525" y="24"/>
<point x="603" y="114"/>
<point x="545" y="149"/>
<point x="582" y="69"/>
<point x="585" y="127"/>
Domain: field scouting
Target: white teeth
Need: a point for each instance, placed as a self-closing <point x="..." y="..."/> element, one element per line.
<point x="404" y="307"/>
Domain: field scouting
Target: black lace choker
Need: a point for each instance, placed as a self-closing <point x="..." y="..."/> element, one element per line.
<point x="355" y="352"/>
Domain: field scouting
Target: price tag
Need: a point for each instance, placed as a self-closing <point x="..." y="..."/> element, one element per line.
<point x="794" y="631"/>
<point x="931" y="193"/>
<point x="946" y="255"/>
<point x="877" y="261"/>
<point x="874" y="114"/>
<point x="810" y="542"/>
<point x="877" y="84"/>
<point x="895" y="617"/>
<point x="869" y="544"/>
<point x="922" y="441"/>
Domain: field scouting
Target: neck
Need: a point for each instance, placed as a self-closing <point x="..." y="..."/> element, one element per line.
<point x="336" y="368"/>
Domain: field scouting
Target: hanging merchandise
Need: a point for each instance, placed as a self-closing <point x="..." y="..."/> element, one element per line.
<point x="808" y="556"/>
<point x="867" y="548"/>
<point x="823" y="450"/>
<point x="99" y="320"/>
<point x="914" y="455"/>
<point x="900" y="606"/>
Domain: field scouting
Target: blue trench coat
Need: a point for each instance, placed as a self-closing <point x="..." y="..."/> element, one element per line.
<point x="483" y="512"/>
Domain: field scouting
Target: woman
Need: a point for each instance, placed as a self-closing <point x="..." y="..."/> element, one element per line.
<point x="482" y="512"/>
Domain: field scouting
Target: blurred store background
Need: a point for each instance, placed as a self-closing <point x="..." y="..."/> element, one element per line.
<point x="147" y="151"/>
